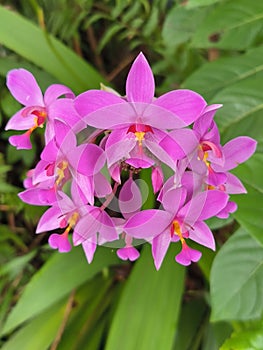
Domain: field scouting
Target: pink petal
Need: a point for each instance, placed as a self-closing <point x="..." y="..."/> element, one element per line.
<point x="21" y="122"/>
<point x="55" y="91"/>
<point x="185" y="104"/>
<point x="102" y="186"/>
<point x="233" y="185"/>
<point x="95" y="100"/>
<point x="87" y="227"/>
<point x="59" y="242"/>
<point x="115" y="172"/>
<point x="114" y="116"/>
<point x="158" y="151"/>
<point x="63" y="109"/>
<point x="148" y="223"/>
<point x="130" y="200"/>
<point x="173" y="199"/>
<point x="157" y="179"/>
<point x="118" y="145"/>
<point x="216" y="179"/>
<point x="179" y="143"/>
<point x="38" y="196"/>
<point x="159" y="117"/>
<point x="231" y="207"/>
<point x="187" y="255"/>
<point x="24" y="87"/>
<point x="64" y="136"/>
<point x="128" y="253"/>
<point x="50" y="220"/>
<point x="107" y="230"/>
<point x="202" y="234"/>
<point x="88" y="159"/>
<point x="89" y="246"/>
<point x="160" y="245"/>
<point x="85" y="186"/>
<point x="140" y="81"/>
<point x="202" y="124"/>
<point x="21" y="141"/>
<point x="50" y="152"/>
<point x="238" y="151"/>
<point x="203" y="206"/>
<point x="143" y="162"/>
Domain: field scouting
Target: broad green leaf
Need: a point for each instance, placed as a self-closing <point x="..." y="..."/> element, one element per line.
<point x="245" y="340"/>
<point x="29" y="41"/>
<point x="56" y="279"/>
<point x="40" y="332"/>
<point x="212" y="77"/>
<point x="180" y="24"/>
<point x="199" y="3"/>
<point x="242" y="110"/>
<point x="92" y="300"/>
<point x="193" y="318"/>
<point x="237" y="279"/>
<point x="15" y="266"/>
<point x="231" y="25"/>
<point x="250" y="212"/>
<point x="215" y="335"/>
<point x="147" y="315"/>
<point x="251" y="171"/>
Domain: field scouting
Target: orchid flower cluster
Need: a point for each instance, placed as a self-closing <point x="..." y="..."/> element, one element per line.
<point x="97" y="145"/>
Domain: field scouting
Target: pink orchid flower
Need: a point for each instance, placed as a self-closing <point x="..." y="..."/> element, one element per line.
<point x="37" y="108"/>
<point x="139" y="121"/>
<point x="178" y="221"/>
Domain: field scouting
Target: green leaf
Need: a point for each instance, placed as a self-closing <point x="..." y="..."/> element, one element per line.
<point x="251" y="171"/>
<point x="215" y="76"/>
<point x="245" y="340"/>
<point x="199" y="3"/>
<point x="152" y="22"/>
<point x="16" y="265"/>
<point x="57" y="278"/>
<point x="250" y="212"/>
<point x="147" y="315"/>
<point x="194" y="316"/>
<point x="242" y="110"/>
<point x="180" y="24"/>
<point x="237" y="279"/>
<point x="39" y="333"/>
<point x="231" y="25"/>
<point x="29" y="41"/>
<point x="93" y="299"/>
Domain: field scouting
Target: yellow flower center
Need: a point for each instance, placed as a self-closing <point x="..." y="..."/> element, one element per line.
<point x="176" y="229"/>
<point x="61" y="171"/>
<point x="139" y="136"/>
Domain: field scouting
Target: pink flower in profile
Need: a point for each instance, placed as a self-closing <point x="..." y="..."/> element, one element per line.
<point x="178" y="221"/>
<point x="37" y="108"/>
<point x="139" y="121"/>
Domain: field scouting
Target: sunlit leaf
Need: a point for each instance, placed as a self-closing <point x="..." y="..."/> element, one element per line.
<point x="57" y="278"/>
<point x="245" y="340"/>
<point x="29" y="41"/>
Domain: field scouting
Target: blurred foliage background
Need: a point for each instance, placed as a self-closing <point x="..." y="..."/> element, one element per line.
<point x="58" y="301"/>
